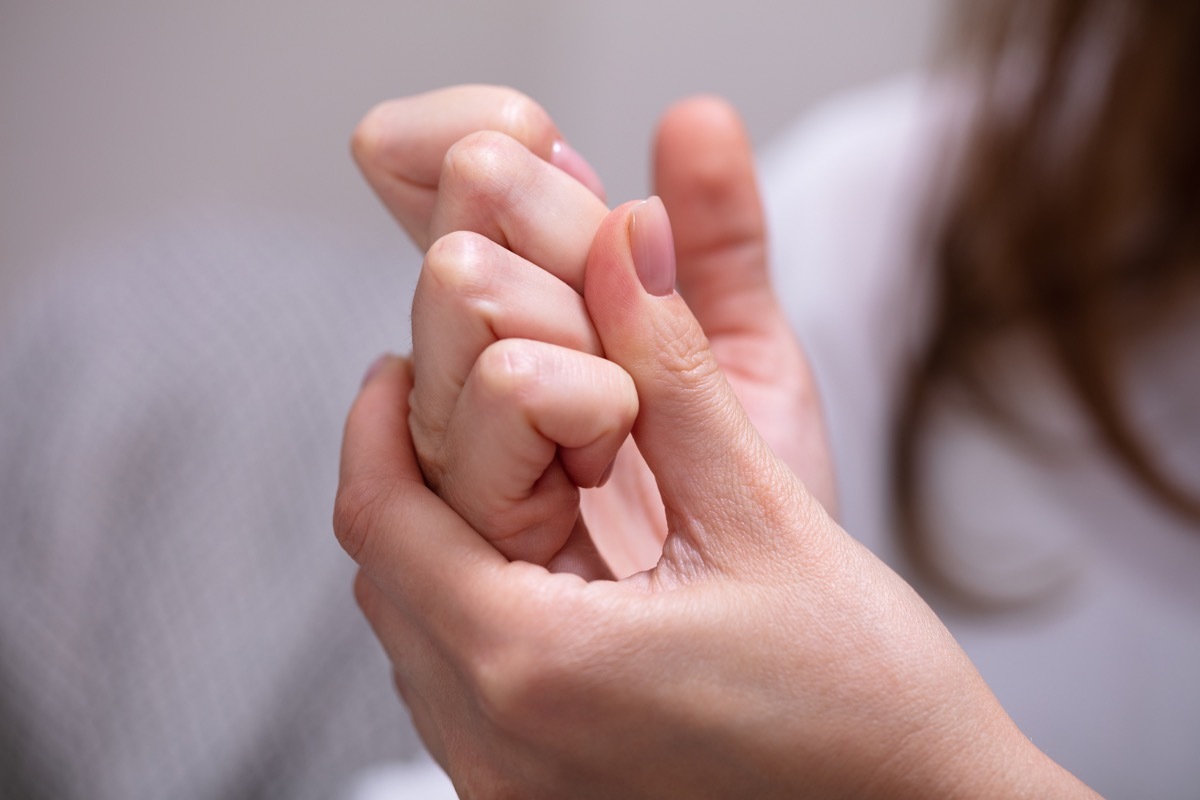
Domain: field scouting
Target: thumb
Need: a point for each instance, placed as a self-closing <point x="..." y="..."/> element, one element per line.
<point x="720" y="483"/>
<point x="704" y="173"/>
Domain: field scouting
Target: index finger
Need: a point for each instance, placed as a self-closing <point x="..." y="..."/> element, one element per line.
<point x="400" y="144"/>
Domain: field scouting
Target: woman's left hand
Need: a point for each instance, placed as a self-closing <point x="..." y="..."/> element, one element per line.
<point x="436" y="177"/>
<point x="767" y="654"/>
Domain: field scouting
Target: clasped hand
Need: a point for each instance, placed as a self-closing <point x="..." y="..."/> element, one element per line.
<point x="750" y="648"/>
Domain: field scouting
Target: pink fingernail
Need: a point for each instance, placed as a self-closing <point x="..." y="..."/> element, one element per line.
<point x="653" y="246"/>
<point x="563" y="156"/>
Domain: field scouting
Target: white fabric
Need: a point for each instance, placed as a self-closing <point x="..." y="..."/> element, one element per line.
<point x="1103" y="676"/>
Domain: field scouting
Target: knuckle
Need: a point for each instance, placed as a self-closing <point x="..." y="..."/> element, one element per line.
<point x="538" y="676"/>
<point x="356" y="513"/>
<point x="476" y="166"/>
<point x="511" y="685"/>
<point x="508" y="369"/>
<point x="367" y="140"/>
<point x="459" y="263"/>
<point x="526" y="121"/>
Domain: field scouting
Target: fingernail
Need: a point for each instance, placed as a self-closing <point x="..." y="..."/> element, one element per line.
<point x="373" y="370"/>
<point x="563" y="156"/>
<point x="653" y="246"/>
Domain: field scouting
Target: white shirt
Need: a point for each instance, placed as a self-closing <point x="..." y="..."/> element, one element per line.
<point x="1102" y="674"/>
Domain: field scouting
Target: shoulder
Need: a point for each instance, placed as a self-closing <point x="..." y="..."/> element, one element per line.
<point x="849" y="181"/>
<point x="847" y="188"/>
<point x="849" y="133"/>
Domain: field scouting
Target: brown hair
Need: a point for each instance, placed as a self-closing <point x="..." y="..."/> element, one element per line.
<point x="1073" y="217"/>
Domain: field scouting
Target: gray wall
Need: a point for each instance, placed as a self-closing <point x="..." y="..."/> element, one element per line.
<point x="113" y="112"/>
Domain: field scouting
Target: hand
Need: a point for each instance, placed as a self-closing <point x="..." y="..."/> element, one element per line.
<point x="766" y="655"/>
<point x="435" y="181"/>
<point x="489" y="327"/>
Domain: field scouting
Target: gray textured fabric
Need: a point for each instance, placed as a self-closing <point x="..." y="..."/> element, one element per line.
<point x="176" y="618"/>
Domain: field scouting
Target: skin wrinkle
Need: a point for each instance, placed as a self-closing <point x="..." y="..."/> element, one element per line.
<point x="359" y="507"/>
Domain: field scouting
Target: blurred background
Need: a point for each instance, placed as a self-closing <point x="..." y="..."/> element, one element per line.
<point x="113" y="114"/>
<point x="175" y="617"/>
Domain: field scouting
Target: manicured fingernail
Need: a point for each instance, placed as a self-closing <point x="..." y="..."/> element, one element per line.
<point x="373" y="370"/>
<point x="563" y="156"/>
<point x="653" y="246"/>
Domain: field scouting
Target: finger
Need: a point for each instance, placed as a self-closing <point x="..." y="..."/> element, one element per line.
<point x="626" y="516"/>
<point x="404" y="536"/>
<point x="400" y="144"/>
<point x="471" y="293"/>
<point x="492" y="185"/>
<point x="534" y="422"/>
<point x="713" y="469"/>
<point x="704" y="173"/>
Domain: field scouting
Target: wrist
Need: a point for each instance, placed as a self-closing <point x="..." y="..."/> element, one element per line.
<point x="988" y="756"/>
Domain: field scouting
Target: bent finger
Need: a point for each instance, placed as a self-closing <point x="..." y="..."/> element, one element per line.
<point x="399" y="145"/>
<point x="534" y="422"/>
<point x="492" y="185"/>
<point x="472" y="293"/>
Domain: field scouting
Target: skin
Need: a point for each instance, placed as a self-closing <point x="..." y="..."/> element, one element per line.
<point x="481" y="160"/>
<point x="764" y="653"/>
